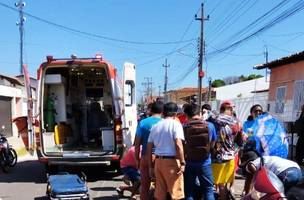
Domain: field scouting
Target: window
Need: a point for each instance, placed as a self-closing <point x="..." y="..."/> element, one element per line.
<point x="280" y="99"/>
<point x="298" y="99"/>
<point x="129" y="93"/>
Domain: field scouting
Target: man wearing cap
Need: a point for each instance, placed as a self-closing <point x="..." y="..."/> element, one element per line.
<point x="167" y="136"/>
<point x="287" y="171"/>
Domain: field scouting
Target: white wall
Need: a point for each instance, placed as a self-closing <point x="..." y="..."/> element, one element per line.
<point x="243" y="105"/>
<point x="242" y="96"/>
<point x="241" y="90"/>
<point x="10" y="91"/>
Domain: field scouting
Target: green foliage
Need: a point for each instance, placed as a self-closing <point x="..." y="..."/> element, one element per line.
<point x="234" y="79"/>
<point x="218" y="83"/>
<point x="250" y="77"/>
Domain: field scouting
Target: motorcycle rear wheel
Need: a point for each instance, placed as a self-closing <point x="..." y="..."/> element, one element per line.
<point x="12" y="157"/>
<point x="4" y="165"/>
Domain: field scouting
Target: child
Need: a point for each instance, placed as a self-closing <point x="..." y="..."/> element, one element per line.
<point x="130" y="170"/>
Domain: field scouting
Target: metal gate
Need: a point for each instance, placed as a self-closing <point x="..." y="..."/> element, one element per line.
<point x="6" y="115"/>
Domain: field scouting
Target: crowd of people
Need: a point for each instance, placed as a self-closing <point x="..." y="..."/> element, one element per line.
<point x="195" y="155"/>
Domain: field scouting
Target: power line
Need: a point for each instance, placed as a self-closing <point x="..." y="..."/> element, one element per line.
<point x="93" y="34"/>
<point x="163" y="56"/>
<point x="216" y="6"/>
<point x="260" y="19"/>
<point x="225" y="22"/>
<point x="286" y="14"/>
<point x="190" y="69"/>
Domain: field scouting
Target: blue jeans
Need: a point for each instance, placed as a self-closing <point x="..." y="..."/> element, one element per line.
<point x="290" y="177"/>
<point x="202" y="173"/>
<point x="132" y="173"/>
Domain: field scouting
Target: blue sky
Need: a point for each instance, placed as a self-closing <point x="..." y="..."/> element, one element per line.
<point x="157" y="21"/>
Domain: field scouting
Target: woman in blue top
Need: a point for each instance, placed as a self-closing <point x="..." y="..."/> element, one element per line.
<point x="255" y="111"/>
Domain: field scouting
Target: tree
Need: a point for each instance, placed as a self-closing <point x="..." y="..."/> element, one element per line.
<point x="254" y="76"/>
<point x="218" y="83"/>
<point x="242" y="78"/>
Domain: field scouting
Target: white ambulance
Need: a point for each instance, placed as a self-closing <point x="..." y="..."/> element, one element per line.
<point x="86" y="114"/>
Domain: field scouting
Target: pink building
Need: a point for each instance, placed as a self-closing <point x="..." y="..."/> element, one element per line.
<point x="286" y="89"/>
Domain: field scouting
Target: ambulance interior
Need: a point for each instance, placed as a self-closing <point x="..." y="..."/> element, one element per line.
<point x="77" y="110"/>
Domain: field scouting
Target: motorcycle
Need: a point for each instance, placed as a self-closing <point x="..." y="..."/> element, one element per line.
<point x="8" y="155"/>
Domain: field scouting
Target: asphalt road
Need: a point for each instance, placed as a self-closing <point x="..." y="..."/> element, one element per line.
<point x="27" y="180"/>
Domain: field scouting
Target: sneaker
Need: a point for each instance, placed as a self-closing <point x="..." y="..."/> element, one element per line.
<point x="126" y="180"/>
<point x="120" y="192"/>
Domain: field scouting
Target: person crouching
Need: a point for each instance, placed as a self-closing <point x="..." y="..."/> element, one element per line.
<point x="129" y="169"/>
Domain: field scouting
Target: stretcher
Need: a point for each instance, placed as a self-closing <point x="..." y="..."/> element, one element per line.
<point x="67" y="186"/>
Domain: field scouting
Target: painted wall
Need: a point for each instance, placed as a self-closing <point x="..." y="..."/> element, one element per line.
<point x="241" y="90"/>
<point x="285" y="75"/>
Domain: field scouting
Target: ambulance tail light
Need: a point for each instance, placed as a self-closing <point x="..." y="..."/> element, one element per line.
<point x="118" y="131"/>
<point x="37" y="132"/>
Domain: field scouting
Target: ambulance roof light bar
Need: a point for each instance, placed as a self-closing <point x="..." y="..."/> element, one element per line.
<point x="49" y="58"/>
<point x="98" y="56"/>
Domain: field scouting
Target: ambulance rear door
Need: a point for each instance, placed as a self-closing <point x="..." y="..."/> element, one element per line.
<point x="31" y="136"/>
<point x="129" y="104"/>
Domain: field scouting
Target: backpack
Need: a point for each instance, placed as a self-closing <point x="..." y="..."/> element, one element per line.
<point x="197" y="140"/>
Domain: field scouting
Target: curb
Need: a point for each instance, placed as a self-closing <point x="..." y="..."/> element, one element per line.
<point x="24" y="155"/>
<point x="21" y="152"/>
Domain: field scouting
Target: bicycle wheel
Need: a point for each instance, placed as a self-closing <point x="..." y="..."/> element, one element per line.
<point x="12" y="157"/>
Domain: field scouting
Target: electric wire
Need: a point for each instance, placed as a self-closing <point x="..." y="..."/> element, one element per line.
<point x="232" y="18"/>
<point x="93" y="34"/>
<point x="260" y="19"/>
<point x="283" y="16"/>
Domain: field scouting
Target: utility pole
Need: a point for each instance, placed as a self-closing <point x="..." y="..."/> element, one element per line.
<point x="201" y="55"/>
<point x="266" y="61"/>
<point x="149" y="83"/>
<point x="209" y="89"/>
<point x="22" y="19"/>
<point x="145" y="95"/>
<point x="159" y="88"/>
<point x="166" y="81"/>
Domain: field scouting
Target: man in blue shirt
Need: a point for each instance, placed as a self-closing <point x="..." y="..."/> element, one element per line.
<point x="141" y="138"/>
<point x="200" y="137"/>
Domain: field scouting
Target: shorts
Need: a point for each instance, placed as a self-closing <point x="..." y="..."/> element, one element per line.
<point x="223" y="172"/>
<point x="167" y="179"/>
<point x="132" y="173"/>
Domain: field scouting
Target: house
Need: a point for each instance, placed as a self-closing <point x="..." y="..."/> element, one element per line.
<point x="11" y="102"/>
<point x="286" y="89"/>
<point x="187" y="95"/>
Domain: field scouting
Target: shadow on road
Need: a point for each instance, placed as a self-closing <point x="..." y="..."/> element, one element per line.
<point x="103" y="188"/>
<point x="106" y="198"/>
<point x="27" y="171"/>
<point x="34" y="171"/>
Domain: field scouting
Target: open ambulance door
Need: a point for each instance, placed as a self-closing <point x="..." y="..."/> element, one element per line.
<point x="129" y="104"/>
<point x="31" y="136"/>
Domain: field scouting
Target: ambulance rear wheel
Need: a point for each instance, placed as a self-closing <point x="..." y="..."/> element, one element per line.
<point x="51" y="169"/>
<point x="115" y="166"/>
